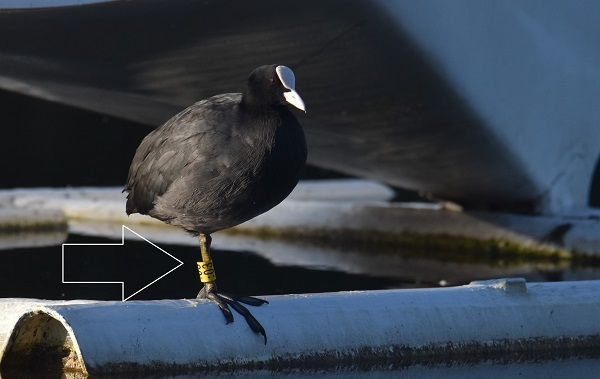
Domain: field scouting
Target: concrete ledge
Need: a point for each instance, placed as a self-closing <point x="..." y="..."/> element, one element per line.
<point x="108" y="203"/>
<point x="482" y="321"/>
<point x="22" y="219"/>
<point x="347" y="209"/>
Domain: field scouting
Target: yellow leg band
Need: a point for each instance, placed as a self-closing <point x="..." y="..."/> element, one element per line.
<point x="206" y="271"/>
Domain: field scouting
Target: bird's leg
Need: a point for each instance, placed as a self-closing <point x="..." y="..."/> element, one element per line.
<point x="209" y="291"/>
<point x="208" y="277"/>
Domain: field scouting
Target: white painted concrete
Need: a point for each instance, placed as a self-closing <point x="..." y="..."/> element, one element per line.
<point x="506" y="316"/>
<point x="332" y="207"/>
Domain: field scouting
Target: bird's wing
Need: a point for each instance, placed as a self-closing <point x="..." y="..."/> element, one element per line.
<point x="170" y="151"/>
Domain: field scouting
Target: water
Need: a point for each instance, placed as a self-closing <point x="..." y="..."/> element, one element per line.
<point x="252" y="266"/>
<point x="581" y="368"/>
<point x="36" y="273"/>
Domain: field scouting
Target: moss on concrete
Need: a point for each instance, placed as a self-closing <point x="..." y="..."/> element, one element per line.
<point x="13" y="226"/>
<point x="443" y="247"/>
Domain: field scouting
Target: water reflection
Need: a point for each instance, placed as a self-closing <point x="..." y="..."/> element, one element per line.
<point x="420" y="268"/>
<point x="257" y="266"/>
<point x="28" y="239"/>
<point x="580" y="368"/>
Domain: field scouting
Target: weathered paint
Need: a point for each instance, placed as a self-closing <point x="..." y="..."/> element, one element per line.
<point x="481" y="321"/>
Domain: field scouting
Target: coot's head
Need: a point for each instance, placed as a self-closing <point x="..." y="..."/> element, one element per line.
<point x="272" y="85"/>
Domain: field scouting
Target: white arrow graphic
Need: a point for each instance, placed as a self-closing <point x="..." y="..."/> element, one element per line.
<point x="64" y="245"/>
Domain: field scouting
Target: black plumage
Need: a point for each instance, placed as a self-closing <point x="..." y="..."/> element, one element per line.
<point x="223" y="160"/>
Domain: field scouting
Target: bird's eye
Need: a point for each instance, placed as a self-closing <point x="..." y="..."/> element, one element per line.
<point x="272" y="80"/>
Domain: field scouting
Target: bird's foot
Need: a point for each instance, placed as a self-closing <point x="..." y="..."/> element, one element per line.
<point x="224" y="300"/>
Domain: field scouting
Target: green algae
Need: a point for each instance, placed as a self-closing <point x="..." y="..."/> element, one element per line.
<point x="441" y="247"/>
<point x="20" y="225"/>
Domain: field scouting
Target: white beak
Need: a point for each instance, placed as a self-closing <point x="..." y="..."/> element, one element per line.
<point x="287" y="78"/>
<point x="294" y="99"/>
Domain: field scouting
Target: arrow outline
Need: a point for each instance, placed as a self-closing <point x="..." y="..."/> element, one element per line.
<point x="123" y="227"/>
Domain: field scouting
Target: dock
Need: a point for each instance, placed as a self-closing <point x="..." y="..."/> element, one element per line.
<point x="504" y="319"/>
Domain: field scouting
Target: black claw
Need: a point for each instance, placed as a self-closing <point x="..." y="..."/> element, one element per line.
<point x="224" y="299"/>
<point x="222" y="306"/>
<point x="250" y="319"/>
<point x="249" y="300"/>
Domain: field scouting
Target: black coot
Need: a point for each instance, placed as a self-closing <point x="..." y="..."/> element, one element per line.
<point x="221" y="162"/>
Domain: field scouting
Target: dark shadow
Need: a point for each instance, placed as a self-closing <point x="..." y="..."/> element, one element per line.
<point x="594" y="194"/>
